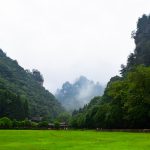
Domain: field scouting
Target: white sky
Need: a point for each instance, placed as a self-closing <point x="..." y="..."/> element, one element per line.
<point x="67" y="38"/>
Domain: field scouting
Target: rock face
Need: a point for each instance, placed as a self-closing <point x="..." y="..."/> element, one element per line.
<point x="76" y="95"/>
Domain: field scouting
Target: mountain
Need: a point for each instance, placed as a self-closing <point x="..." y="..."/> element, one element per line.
<point x="76" y="95"/>
<point x="126" y="100"/>
<point x="28" y="87"/>
<point x="141" y="54"/>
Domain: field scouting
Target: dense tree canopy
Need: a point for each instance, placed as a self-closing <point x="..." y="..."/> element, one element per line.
<point x="125" y="104"/>
<point x="12" y="105"/>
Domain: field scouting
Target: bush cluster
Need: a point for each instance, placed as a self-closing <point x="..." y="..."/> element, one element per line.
<point x="6" y="123"/>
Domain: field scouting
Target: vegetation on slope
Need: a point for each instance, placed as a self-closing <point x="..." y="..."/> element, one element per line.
<point x="126" y="100"/>
<point x="20" y="87"/>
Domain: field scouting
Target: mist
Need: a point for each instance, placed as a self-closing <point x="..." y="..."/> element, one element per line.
<point x="79" y="93"/>
<point x="66" y="39"/>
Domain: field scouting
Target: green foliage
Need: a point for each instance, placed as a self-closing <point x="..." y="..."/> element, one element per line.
<point x="56" y="125"/>
<point x="12" y="106"/>
<point x="126" y="99"/>
<point x="125" y="104"/>
<point x="64" y="117"/>
<point x="5" y="123"/>
<point x="141" y="53"/>
<point x="43" y="124"/>
<point x="137" y="104"/>
<point x="22" y="90"/>
<point x="37" y="76"/>
<point x="83" y="118"/>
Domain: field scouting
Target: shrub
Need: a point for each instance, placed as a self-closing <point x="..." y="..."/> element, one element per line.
<point x="43" y="124"/>
<point x="5" y="123"/>
<point x="56" y="124"/>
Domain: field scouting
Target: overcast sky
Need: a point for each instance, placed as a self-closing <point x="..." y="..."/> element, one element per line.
<point x="67" y="38"/>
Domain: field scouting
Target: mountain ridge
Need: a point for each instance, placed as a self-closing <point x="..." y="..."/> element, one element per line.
<point x="28" y="84"/>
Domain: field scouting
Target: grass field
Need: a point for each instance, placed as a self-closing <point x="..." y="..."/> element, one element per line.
<point x="72" y="140"/>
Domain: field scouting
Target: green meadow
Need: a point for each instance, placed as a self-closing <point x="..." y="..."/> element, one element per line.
<point x="72" y="140"/>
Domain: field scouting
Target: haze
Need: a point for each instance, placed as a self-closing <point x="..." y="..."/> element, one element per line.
<point x="64" y="39"/>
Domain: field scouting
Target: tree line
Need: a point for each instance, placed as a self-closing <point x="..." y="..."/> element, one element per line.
<point x="7" y="123"/>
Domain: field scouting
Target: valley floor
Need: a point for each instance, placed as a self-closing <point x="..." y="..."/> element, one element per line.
<point x="72" y="140"/>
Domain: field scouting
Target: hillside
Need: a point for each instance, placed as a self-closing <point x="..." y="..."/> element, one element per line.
<point x="141" y="54"/>
<point x="126" y="99"/>
<point x="76" y="95"/>
<point x="28" y="86"/>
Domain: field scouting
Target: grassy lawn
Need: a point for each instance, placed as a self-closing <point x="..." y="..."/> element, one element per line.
<point x="72" y="140"/>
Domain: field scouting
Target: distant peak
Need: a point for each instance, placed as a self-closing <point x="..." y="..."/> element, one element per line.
<point x="81" y="79"/>
<point x="66" y="85"/>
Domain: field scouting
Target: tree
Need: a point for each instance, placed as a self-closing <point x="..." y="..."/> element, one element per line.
<point x="137" y="104"/>
<point x="126" y="99"/>
<point x="5" y="123"/>
<point x="64" y="117"/>
<point x="37" y="76"/>
<point x="56" y="125"/>
<point x="12" y="105"/>
<point x="21" y="93"/>
<point x="43" y="124"/>
<point x="141" y="53"/>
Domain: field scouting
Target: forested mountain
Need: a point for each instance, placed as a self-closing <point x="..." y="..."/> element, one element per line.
<point x="76" y="95"/>
<point x="126" y="99"/>
<point x="141" y="54"/>
<point x="22" y="93"/>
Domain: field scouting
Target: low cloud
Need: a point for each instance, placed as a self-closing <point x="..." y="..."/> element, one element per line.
<point x="76" y="95"/>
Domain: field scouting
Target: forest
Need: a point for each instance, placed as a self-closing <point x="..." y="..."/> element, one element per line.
<point x="125" y="103"/>
<point x="22" y="94"/>
<point x="126" y="99"/>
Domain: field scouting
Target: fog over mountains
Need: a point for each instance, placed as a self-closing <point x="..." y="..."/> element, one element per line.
<point x="76" y="95"/>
